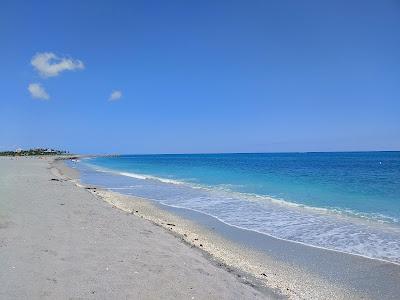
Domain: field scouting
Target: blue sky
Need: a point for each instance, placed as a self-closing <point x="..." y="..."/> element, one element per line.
<point x="201" y="76"/>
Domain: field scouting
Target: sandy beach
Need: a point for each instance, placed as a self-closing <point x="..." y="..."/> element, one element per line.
<point x="60" y="239"/>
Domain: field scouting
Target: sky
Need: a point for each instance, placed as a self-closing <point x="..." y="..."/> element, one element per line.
<point x="200" y="76"/>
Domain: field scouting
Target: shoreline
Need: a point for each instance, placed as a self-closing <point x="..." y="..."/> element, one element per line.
<point x="344" y="217"/>
<point x="58" y="241"/>
<point x="356" y="217"/>
<point x="293" y="278"/>
<point x="169" y="207"/>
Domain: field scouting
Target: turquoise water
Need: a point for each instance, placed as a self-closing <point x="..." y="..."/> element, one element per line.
<point x="343" y="201"/>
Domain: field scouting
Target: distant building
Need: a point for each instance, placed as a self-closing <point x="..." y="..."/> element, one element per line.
<point x="18" y="150"/>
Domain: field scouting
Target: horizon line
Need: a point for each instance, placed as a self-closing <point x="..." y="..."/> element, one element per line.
<point x="267" y="152"/>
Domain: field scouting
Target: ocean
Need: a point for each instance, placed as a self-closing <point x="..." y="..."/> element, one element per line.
<point x="344" y="201"/>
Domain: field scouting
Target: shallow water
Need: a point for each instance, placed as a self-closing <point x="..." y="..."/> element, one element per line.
<point x="348" y="202"/>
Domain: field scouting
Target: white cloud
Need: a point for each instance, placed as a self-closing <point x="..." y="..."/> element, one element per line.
<point x="49" y="65"/>
<point x="115" y="95"/>
<point x="37" y="91"/>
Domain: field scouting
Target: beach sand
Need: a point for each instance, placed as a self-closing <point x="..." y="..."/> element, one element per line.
<point x="61" y="239"/>
<point x="58" y="241"/>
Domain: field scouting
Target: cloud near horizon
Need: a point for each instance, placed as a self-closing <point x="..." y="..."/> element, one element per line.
<point x="115" y="95"/>
<point x="50" y="65"/>
<point x="37" y="91"/>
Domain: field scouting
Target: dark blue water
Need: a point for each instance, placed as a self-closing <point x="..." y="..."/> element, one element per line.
<point x="343" y="201"/>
